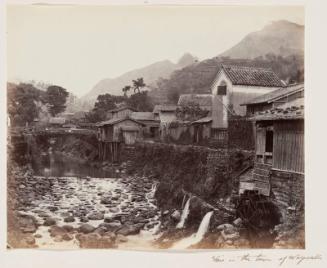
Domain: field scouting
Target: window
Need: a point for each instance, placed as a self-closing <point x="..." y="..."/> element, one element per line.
<point x="222" y="89"/>
<point x="269" y="141"/>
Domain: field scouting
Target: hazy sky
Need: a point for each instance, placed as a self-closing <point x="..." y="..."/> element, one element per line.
<point x="76" y="46"/>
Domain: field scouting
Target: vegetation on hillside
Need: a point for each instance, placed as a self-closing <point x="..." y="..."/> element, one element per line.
<point x="197" y="78"/>
<point x="140" y="101"/>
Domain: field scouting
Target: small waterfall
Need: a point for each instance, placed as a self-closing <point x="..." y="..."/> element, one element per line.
<point x="185" y="213"/>
<point x="196" y="237"/>
<point x="183" y="200"/>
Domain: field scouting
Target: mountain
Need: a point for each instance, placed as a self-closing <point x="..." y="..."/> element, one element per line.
<point x="150" y="74"/>
<point x="282" y="38"/>
<point x="279" y="46"/>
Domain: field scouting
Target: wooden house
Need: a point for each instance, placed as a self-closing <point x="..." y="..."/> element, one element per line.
<point x="120" y="112"/>
<point x="112" y="133"/>
<point x="279" y="155"/>
<point x="125" y="130"/>
<point x="234" y="85"/>
<point x="151" y="129"/>
<point x="274" y="99"/>
<point x="201" y="129"/>
<point x="165" y="113"/>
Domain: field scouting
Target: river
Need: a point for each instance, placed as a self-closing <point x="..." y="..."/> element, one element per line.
<point x="80" y="194"/>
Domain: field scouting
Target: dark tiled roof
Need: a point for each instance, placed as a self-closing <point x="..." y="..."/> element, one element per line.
<point x="164" y="108"/>
<point x="288" y="111"/>
<point x="204" y="100"/>
<point x="252" y="76"/>
<point x="276" y="94"/>
<point x="116" y="120"/>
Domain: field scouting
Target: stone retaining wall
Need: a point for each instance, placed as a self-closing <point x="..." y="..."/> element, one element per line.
<point x="288" y="190"/>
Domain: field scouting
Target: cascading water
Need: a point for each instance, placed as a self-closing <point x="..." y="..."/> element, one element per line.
<point x="183" y="200"/>
<point x="185" y="213"/>
<point x="196" y="237"/>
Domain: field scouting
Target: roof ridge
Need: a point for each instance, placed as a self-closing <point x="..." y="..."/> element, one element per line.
<point x="247" y="67"/>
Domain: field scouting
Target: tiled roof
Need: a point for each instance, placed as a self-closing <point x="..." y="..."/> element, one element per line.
<point x="164" y="108"/>
<point x="252" y="76"/>
<point x="121" y="109"/>
<point x="276" y="94"/>
<point x="204" y="100"/>
<point x="207" y="119"/>
<point x="142" y="116"/>
<point x="115" y="121"/>
<point x="288" y="111"/>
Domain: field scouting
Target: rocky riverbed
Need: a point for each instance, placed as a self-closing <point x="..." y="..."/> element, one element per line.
<point x="85" y="212"/>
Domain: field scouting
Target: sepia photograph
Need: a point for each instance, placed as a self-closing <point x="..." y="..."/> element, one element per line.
<point x="155" y="127"/>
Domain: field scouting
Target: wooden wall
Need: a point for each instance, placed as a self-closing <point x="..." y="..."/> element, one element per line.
<point x="288" y="151"/>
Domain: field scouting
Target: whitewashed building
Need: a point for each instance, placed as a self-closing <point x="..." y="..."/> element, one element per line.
<point x="235" y="85"/>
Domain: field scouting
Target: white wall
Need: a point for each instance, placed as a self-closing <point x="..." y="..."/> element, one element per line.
<point x="236" y="94"/>
<point x="166" y="117"/>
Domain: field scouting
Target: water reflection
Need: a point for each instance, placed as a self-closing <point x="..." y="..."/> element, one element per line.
<point x="56" y="165"/>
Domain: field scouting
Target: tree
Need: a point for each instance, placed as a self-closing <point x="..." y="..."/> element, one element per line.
<point x="21" y="103"/>
<point x="140" y="101"/>
<point x="103" y="104"/>
<point x="138" y="84"/>
<point x="125" y="89"/>
<point x="56" y="97"/>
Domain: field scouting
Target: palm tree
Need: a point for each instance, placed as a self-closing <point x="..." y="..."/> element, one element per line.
<point x="125" y="89"/>
<point x="138" y="84"/>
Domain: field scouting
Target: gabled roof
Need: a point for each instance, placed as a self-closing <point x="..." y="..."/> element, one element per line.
<point x="204" y="100"/>
<point x="252" y="76"/>
<point x="276" y="94"/>
<point x="164" y="108"/>
<point x="287" y="111"/>
<point x="121" y="109"/>
<point x="117" y="120"/>
<point x="142" y="116"/>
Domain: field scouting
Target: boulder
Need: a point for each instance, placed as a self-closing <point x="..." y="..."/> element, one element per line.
<point x="226" y="226"/>
<point x="95" y="216"/>
<point x="86" y="228"/>
<point x="28" y="224"/>
<point x="56" y="230"/>
<point x="114" y="210"/>
<point x="105" y="200"/>
<point x="67" y="237"/>
<point x="230" y="236"/>
<point x="176" y="216"/>
<point x="130" y="229"/>
<point x="238" y="222"/>
<point x="114" y="224"/>
<point x="69" y="219"/>
<point x="49" y="222"/>
<point x="68" y="228"/>
<point x="83" y="219"/>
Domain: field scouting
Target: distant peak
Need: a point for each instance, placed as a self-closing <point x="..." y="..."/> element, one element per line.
<point x="187" y="59"/>
<point x="281" y="23"/>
